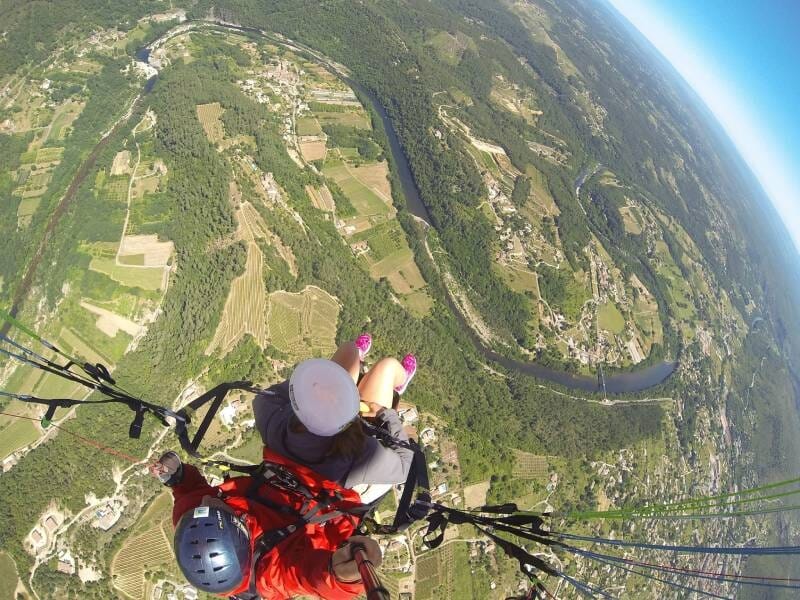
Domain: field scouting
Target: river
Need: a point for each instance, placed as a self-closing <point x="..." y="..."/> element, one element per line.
<point x="617" y="383"/>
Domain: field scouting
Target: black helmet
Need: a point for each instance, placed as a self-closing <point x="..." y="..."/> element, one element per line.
<point x="212" y="546"/>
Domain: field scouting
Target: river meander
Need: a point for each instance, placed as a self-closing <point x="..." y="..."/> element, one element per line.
<point x="615" y="383"/>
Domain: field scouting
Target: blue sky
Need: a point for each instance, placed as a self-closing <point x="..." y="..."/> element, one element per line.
<point x="743" y="58"/>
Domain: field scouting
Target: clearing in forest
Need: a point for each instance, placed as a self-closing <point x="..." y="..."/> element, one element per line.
<point x="303" y="324"/>
<point x="529" y="466"/>
<point x="631" y="219"/>
<point x="110" y="323"/>
<point x="209" y="115"/>
<point x="121" y="164"/>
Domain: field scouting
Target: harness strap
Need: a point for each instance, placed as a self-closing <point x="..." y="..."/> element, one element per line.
<point x="216" y="396"/>
<point x="409" y="509"/>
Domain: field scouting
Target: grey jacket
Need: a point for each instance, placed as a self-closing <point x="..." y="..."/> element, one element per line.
<point x="377" y="464"/>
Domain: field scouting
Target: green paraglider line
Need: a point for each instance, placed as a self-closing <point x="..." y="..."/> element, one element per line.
<point x="692" y="504"/>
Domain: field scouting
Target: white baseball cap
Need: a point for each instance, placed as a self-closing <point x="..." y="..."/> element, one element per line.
<point x="324" y="396"/>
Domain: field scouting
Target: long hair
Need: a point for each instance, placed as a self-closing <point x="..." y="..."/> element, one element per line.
<point x="348" y="443"/>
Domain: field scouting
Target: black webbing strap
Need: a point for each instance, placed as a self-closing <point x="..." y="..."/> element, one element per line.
<point x="417" y="482"/>
<point x="410" y="508"/>
<point x="140" y="407"/>
<point x="442" y="516"/>
<point x="216" y="396"/>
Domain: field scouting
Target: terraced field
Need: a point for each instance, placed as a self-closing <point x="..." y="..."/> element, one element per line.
<point x="321" y="198"/>
<point x="303" y="324"/>
<point x="246" y="307"/>
<point x="245" y="310"/>
<point x="142" y="552"/>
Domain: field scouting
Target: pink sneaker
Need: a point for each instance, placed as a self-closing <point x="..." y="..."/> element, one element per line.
<point x="409" y="363"/>
<point x="364" y="344"/>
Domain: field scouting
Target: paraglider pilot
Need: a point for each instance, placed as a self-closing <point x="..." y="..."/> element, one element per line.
<point x="217" y="534"/>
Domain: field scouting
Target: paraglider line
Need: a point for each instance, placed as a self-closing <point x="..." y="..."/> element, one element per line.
<point x="85" y="440"/>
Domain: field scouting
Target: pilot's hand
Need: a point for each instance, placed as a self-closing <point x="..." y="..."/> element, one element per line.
<point x="344" y="563"/>
<point x="168" y="469"/>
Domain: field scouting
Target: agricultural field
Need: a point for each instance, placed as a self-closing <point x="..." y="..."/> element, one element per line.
<point x="321" y="198"/>
<point x="400" y="270"/>
<point x="152" y="252"/>
<point x="52" y="386"/>
<point x="610" y="319"/>
<point x="65" y="115"/>
<point x="357" y="118"/>
<point x="520" y="279"/>
<point x="111" y="323"/>
<point x="450" y="47"/>
<point x="475" y="494"/>
<point x="680" y="292"/>
<point x="81" y="348"/>
<point x="8" y="577"/>
<point x="121" y="164"/>
<point x="365" y="200"/>
<point x="17" y="434"/>
<point x="148" y="548"/>
<point x="145" y="185"/>
<point x="25" y="211"/>
<point x="529" y="466"/>
<point x="435" y="574"/>
<point x="313" y="150"/>
<point x="209" y="115"/>
<point x="631" y="219"/>
<point x="245" y="310"/>
<point x="130" y="276"/>
<point x="375" y="176"/>
<point x="303" y="324"/>
<point x="308" y="126"/>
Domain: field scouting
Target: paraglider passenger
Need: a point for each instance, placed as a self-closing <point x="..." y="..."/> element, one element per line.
<point x="313" y="417"/>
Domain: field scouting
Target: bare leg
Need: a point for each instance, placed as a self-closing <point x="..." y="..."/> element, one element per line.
<point x="379" y="383"/>
<point x="347" y="357"/>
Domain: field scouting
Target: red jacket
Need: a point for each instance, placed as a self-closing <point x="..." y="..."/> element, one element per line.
<point x="300" y="565"/>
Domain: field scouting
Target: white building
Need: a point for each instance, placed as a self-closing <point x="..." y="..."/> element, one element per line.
<point x="227" y="415"/>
